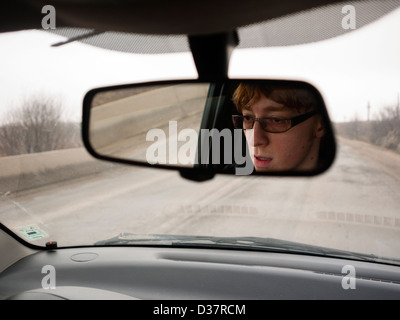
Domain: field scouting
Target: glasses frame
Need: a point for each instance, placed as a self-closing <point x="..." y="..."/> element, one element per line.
<point x="293" y="121"/>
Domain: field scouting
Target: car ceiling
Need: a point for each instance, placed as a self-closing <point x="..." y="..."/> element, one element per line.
<point x="153" y="16"/>
<point x="162" y="26"/>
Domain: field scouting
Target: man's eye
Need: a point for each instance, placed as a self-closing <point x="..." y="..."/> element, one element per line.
<point x="247" y="118"/>
<point x="276" y="120"/>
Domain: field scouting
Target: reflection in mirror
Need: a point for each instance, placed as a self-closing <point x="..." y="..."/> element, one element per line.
<point x="284" y="126"/>
<point x="148" y="124"/>
<point x="241" y="127"/>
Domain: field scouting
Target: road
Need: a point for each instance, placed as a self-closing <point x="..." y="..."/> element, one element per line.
<point x="354" y="206"/>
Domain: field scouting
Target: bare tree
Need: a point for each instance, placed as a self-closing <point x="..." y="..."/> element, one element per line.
<point x="389" y="117"/>
<point x="383" y="130"/>
<point x="35" y="127"/>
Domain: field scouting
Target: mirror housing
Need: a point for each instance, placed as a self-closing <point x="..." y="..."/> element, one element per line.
<point x="188" y="126"/>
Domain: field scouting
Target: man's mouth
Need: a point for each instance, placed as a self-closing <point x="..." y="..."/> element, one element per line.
<point x="262" y="162"/>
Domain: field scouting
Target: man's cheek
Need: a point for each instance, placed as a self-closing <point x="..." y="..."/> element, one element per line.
<point x="249" y="134"/>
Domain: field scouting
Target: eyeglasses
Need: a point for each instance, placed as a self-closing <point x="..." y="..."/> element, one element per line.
<point x="272" y="125"/>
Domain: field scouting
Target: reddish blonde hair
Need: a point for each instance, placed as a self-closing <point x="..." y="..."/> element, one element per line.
<point x="300" y="99"/>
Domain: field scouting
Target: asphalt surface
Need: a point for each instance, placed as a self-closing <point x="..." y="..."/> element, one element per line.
<point x="354" y="206"/>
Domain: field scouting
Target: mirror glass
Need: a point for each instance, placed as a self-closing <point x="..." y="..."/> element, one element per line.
<point x="148" y="124"/>
<point x="236" y="126"/>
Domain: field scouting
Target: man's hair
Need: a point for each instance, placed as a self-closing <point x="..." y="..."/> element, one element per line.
<point x="298" y="98"/>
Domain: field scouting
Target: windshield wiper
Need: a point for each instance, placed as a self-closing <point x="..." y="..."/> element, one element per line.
<point x="248" y="243"/>
<point x="77" y="38"/>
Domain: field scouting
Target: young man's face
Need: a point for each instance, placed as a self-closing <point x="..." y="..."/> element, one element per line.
<point x="294" y="150"/>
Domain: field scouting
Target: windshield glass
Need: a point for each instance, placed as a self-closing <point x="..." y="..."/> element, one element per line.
<point x="52" y="190"/>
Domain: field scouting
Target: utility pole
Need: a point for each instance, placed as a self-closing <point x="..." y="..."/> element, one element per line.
<point x="368" y="111"/>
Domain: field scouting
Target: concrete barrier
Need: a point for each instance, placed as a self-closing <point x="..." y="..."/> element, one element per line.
<point x="114" y="121"/>
<point x="23" y="172"/>
<point x="135" y="115"/>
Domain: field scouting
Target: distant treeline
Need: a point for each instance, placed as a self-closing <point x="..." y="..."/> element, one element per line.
<point x="37" y="126"/>
<point x="383" y="131"/>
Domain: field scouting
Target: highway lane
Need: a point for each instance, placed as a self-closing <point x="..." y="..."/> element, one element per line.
<point x="354" y="206"/>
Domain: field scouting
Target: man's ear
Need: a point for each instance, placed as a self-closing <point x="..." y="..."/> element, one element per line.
<point x="320" y="128"/>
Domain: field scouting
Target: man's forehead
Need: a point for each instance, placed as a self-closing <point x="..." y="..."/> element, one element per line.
<point x="265" y="104"/>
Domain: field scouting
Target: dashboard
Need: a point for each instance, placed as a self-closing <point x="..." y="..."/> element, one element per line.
<point x="185" y="274"/>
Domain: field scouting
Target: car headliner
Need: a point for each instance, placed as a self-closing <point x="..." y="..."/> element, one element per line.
<point x="131" y="22"/>
<point x="153" y="16"/>
<point x="163" y="16"/>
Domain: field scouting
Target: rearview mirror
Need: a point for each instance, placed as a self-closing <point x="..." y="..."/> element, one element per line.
<point x="240" y="127"/>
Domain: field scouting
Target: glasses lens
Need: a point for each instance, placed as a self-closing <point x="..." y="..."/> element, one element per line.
<point x="275" y="125"/>
<point x="237" y="122"/>
<point x="248" y="122"/>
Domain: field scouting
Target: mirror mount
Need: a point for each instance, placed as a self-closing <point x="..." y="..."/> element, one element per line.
<point x="196" y="175"/>
<point x="212" y="53"/>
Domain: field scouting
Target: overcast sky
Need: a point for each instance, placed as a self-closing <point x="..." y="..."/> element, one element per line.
<point x="350" y="71"/>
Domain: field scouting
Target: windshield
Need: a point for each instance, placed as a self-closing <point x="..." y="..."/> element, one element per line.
<point x="52" y="190"/>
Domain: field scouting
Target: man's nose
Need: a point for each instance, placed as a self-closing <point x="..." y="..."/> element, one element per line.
<point x="258" y="136"/>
